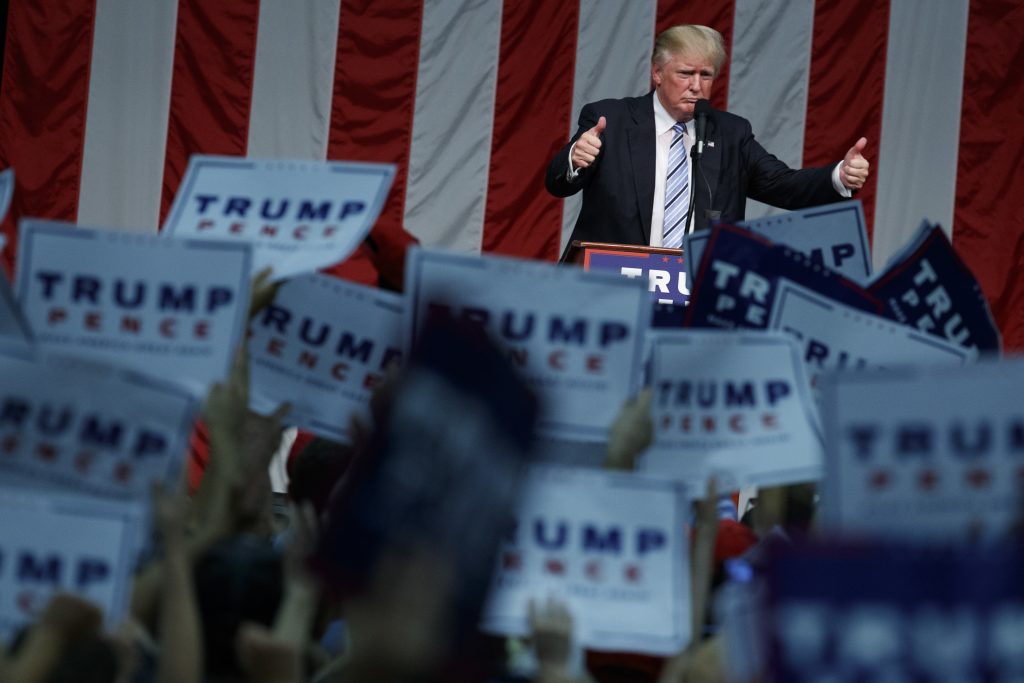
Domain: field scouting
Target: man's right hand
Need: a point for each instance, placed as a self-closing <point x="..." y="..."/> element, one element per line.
<point x="586" y="149"/>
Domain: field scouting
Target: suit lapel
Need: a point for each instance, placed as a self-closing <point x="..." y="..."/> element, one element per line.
<point x="642" y="143"/>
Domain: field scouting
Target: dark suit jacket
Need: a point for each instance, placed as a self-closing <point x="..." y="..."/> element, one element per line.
<point x="618" y="188"/>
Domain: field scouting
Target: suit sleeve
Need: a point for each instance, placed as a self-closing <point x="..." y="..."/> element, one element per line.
<point x="773" y="182"/>
<point x="556" y="181"/>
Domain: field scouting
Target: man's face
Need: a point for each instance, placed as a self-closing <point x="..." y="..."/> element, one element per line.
<point x="680" y="82"/>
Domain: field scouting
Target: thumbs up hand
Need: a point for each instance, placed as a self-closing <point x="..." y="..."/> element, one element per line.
<point x="586" y="149"/>
<point x="854" y="171"/>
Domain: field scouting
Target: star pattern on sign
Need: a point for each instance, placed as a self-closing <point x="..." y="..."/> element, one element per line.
<point x="593" y="570"/>
<point x="123" y="472"/>
<point x="664" y="259"/>
<point x="632" y="573"/>
<point x="9" y="444"/>
<point x="511" y="561"/>
<point x="83" y="461"/>
<point x="927" y="479"/>
<point x="879" y="479"/>
<point x="978" y="477"/>
<point x="26" y="602"/>
<point x="666" y="422"/>
<point x="554" y="566"/>
<point x="46" y="452"/>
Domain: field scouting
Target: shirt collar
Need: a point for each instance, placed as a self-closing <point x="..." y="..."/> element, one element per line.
<point x="663" y="121"/>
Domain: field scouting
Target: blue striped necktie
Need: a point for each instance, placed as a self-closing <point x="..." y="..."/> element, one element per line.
<point x="677" y="191"/>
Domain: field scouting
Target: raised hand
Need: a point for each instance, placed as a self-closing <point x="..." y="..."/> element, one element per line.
<point x="854" y="171"/>
<point x="586" y="149"/>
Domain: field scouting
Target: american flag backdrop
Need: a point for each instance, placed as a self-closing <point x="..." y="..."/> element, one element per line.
<point x="103" y="101"/>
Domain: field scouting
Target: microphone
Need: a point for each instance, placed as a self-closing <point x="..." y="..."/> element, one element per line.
<point x="701" y="111"/>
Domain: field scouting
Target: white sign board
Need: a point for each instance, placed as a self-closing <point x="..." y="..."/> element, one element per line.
<point x="61" y="543"/>
<point x="87" y="426"/>
<point x="323" y="345"/>
<point x="169" y="308"/>
<point x="610" y="545"/>
<point x="735" y="405"/>
<point x="833" y="236"/>
<point x="833" y="336"/>
<point x="299" y="216"/>
<point x="577" y="336"/>
<point x="925" y="452"/>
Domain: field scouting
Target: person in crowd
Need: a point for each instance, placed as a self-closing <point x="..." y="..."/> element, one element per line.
<point x="632" y="157"/>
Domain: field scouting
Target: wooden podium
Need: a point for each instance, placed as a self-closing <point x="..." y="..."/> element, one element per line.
<point x="580" y="252"/>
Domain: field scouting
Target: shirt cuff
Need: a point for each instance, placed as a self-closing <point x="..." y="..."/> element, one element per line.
<point x="572" y="173"/>
<point x="843" y="190"/>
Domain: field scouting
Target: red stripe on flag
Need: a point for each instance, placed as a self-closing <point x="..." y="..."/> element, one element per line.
<point x="988" y="219"/>
<point x="211" y="87"/>
<point x="844" y="94"/>
<point x="374" y="102"/>
<point x="43" y="107"/>
<point x="719" y="15"/>
<point x="532" y="111"/>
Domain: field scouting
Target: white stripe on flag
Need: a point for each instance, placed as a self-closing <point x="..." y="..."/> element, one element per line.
<point x="293" y="79"/>
<point x="449" y="158"/>
<point x="917" y="156"/>
<point x="771" y="53"/>
<point x="613" y="59"/>
<point x="126" y="120"/>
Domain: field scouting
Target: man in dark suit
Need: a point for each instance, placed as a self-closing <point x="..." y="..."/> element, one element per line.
<point x="629" y="156"/>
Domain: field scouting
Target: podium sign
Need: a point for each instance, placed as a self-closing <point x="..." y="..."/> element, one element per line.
<point x="664" y="270"/>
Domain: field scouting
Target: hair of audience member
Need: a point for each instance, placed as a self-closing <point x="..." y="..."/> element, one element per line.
<point x="316" y="470"/>
<point x="238" y="580"/>
<point x="90" y="659"/>
<point x="690" y="40"/>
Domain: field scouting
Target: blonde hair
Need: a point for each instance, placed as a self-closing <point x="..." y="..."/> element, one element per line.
<point x="691" y="40"/>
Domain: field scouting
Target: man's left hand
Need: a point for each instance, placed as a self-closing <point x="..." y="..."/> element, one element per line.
<point x="854" y="171"/>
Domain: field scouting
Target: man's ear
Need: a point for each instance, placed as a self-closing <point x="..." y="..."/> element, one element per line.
<point x="655" y="74"/>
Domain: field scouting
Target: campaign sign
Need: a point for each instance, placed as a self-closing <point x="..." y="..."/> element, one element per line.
<point x="73" y="423"/>
<point x="925" y="453"/>
<point x="833" y="236"/>
<point x="169" y="308"/>
<point x="738" y="274"/>
<point x="884" y="613"/>
<point x="833" y="336"/>
<point x="733" y="405"/>
<point x="53" y="543"/>
<point x="610" y="545"/>
<point x="928" y="287"/>
<point x="299" y="216"/>
<point x="6" y="194"/>
<point x="664" y="273"/>
<point x="323" y="345"/>
<point x="13" y="325"/>
<point x="577" y="336"/>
